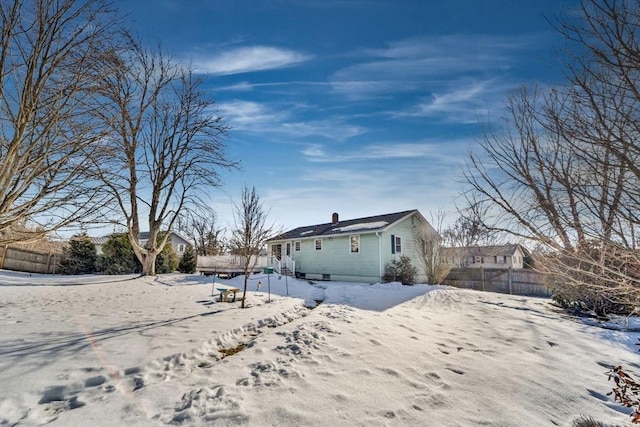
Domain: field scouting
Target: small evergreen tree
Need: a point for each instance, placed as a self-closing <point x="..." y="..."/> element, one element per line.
<point x="167" y="260"/>
<point x="79" y="256"/>
<point x="188" y="261"/>
<point x="118" y="256"/>
<point x="400" y="270"/>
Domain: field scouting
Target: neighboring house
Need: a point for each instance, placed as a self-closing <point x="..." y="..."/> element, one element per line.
<point x="99" y="242"/>
<point x="498" y="256"/>
<point x="178" y="242"/>
<point x="354" y="250"/>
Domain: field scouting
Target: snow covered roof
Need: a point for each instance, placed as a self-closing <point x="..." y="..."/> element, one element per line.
<point x="370" y="224"/>
<point x="495" y="250"/>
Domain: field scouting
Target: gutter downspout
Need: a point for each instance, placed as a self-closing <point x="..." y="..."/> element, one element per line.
<point x="379" y="255"/>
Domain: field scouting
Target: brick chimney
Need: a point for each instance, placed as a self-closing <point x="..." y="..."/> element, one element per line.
<point x="334" y="218"/>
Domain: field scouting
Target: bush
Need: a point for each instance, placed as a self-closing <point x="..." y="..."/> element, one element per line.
<point x="79" y="256"/>
<point x="188" y="261"/>
<point x="626" y="391"/>
<point x="400" y="271"/>
<point x="118" y="256"/>
<point x="597" y="277"/>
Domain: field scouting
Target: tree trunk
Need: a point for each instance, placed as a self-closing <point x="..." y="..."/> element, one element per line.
<point x="244" y="292"/>
<point x="149" y="263"/>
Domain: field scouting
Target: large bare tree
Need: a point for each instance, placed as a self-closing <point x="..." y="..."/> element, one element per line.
<point x="50" y="56"/>
<point x="165" y="145"/>
<point x="564" y="170"/>
<point x="250" y="232"/>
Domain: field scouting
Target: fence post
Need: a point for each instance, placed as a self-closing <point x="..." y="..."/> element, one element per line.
<point x="482" y="279"/>
<point x="510" y="278"/>
<point x="4" y="255"/>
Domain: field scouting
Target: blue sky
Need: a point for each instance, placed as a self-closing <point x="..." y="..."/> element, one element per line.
<point x="360" y="107"/>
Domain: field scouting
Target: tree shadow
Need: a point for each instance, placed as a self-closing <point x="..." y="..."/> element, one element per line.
<point x="68" y="344"/>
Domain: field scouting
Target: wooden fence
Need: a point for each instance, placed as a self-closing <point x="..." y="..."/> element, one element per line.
<point x="501" y="280"/>
<point x="28" y="261"/>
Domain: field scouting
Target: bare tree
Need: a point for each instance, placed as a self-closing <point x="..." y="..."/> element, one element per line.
<point x="564" y="170"/>
<point x="429" y="245"/>
<point x="250" y="232"/>
<point x="50" y="54"/>
<point x="165" y="147"/>
<point x="201" y="226"/>
<point x="469" y="229"/>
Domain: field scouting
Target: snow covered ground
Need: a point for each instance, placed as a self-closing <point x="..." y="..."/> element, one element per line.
<point x="110" y="351"/>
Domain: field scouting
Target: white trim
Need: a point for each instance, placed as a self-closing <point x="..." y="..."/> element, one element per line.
<point x="395" y="245"/>
<point x="351" y="236"/>
<point x="315" y="243"/>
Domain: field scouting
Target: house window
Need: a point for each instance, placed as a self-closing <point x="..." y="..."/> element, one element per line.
<point x="296" y="246"/>
<point x="318" y="244"/>
<point x="181" y="247"/>
<point x="500" y="259"/>
<point x="478" y="260"/>
<point x="398" y="245"/>
<point x="355" y="244"/>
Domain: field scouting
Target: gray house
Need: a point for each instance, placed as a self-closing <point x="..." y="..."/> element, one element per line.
<point x="178" y="242"/>
<point x="355" y="250"/>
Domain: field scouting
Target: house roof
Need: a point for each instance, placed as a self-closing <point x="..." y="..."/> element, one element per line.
<point x="496" y="250"/>
<point x="99" y="240"/>
<point x="144" y="235"/>
<point x="370" y="224"/>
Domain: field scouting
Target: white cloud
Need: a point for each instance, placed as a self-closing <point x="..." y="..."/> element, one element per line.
<point x="247" y="115"/>
<point x="330" y="129"/>
<point x="317" y="153"/>
<point x="248" y="59"/>
<point x="283" y="120"/>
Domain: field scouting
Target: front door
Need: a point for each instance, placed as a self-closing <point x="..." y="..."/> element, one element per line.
<point x="276" y="251"/>
<point x="288" y="249"/>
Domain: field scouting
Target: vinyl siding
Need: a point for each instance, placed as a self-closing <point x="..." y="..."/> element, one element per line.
<point x="336" y="258"/>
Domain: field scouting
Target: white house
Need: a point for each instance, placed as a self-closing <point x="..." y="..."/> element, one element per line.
<point x="497" y="256"/>
<point x="353" y="250"/>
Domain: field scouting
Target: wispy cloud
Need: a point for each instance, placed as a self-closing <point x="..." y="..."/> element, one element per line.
<point x="249" y="86"/>
<point x="462" y="101"/>
<point x="283" y="120"/>
<point x="415" y="150"/>
<point x="330" y="129"/>
<point x="427" y="61"/>
<point x="248" y="59"/>
<point x="247" y="115"/>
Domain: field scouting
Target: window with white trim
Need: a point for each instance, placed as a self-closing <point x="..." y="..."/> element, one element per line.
<point x="354" y="244"/>
<point x="296" y="246"/>
<point x="181" y="247"/>
<point x="318" y="244"/>
<point x="398" y="245"/>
